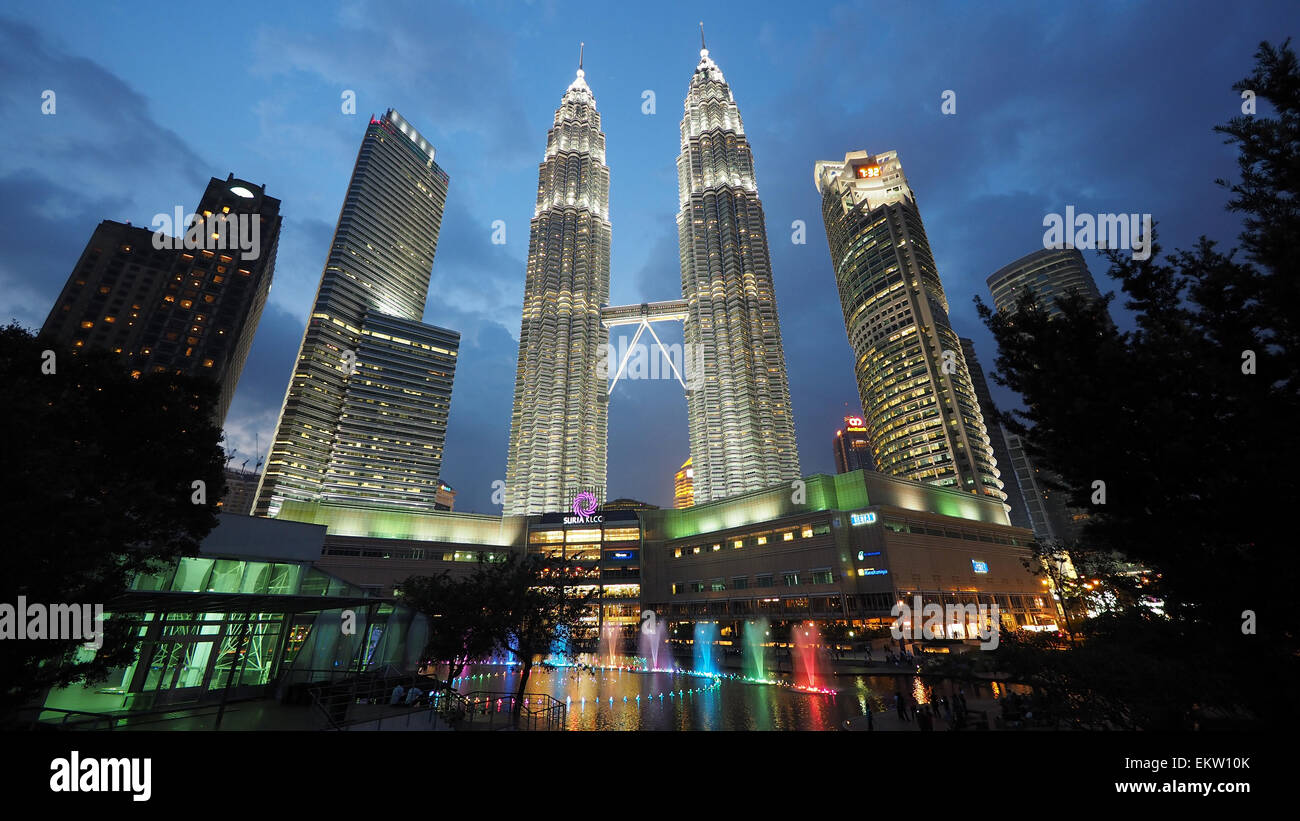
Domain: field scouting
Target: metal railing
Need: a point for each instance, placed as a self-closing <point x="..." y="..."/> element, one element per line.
<point x="484" y="710"/>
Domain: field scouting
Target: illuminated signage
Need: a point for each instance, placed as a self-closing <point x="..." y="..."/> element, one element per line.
<point x="869" y="171"/>
<point x="863" y="554"/>
<point x="862" y="518"/>
<point x="978" y="566"/>
<point x="871" y="571"/>
<point x="584" y="504"/>
<point x="854" y="423"/>
<point x="622" y="554"/>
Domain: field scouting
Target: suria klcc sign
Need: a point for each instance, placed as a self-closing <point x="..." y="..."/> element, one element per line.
<point x="584" y="504"/>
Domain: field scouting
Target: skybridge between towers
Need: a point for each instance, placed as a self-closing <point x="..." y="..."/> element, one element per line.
<point x="672" y="310"/>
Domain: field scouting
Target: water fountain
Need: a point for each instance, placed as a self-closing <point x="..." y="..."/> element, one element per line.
<point x="610" y="635"/>
<point x="653" y="645"/>
<point x="755" y="661"/>
<point x="809" y="668"/>
<point x="704" y="635"/>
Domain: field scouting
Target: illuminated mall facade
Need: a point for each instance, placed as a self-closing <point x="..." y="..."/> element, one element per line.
<point x="840" y="548"/>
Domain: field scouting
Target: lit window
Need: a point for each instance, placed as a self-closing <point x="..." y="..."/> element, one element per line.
<point x="87" y="324"/>
<point x="677" y="553"/>
<point x="110" y="319"/>
<point x="738" y="543"/>
<point x="788" y="536"/>
<point x="762" y="540"/>
<point x="208" y="363"/>
<point x="807" y="532"/>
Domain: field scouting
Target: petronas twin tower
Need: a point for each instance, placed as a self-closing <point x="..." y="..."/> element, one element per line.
<point x="740" y="418"/>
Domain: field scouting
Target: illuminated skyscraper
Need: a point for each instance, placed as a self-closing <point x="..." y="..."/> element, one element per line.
<point x="852" y="447"/>
<point x="740" y="419"/>
<point x="922" y="415"/>
<point x="177" y="304"/>
<point x="365" y="414"/>
<point x="559" y="424"/>
<point x="684" y="486"/>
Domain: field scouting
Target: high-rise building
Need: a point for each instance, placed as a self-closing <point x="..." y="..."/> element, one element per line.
<point x="241" y="490"/>
<point x="185" y="304"/>
<point x="1050" y="517"/>
<point x="852" y="447"/>
<point x="740" y="418"/>
<point x="1050" y="273"/>
<point x="684" y="485"/>
<point x="365" y="413"/>
<point x="1015" y="501"/>
<point x="559" y="425"/>
<point x="922" y="415"/>
<point x="445" y="497"/>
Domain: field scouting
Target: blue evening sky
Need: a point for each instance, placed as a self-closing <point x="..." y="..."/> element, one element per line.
<point x="1106" y="106"/>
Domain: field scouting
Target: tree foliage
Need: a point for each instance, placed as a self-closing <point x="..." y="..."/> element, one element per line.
<point x="1188" y="420"/>
<point x="99" y="487"/>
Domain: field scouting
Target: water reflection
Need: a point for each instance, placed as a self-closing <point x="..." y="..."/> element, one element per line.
<point x="612" y="699"/>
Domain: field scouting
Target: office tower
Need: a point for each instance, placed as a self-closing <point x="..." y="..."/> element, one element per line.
<point x="740" y="419"/>
<point x="1050" y="273"/>
<point x="1015" y="501"/>
<point x="241" y="490"/>
<point x="852" y="447"/>
<point x="922" y="415"/>
<point x="365" y="413"/>
<point x="445" y="498"/>
<point x="185" y="304"/>
<point x="559" y="424"/>
<point x="684" y="485"/>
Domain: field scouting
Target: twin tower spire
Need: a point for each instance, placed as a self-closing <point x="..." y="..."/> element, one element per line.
<point x="741" y="424"/>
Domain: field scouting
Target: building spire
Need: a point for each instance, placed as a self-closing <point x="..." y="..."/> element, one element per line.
<point x="703" y="48"/>
<point x="580" y="47"/>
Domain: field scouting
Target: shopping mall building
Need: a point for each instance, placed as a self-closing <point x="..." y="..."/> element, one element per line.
<point x="259" y="610"/>
<point x="830" y="548"/>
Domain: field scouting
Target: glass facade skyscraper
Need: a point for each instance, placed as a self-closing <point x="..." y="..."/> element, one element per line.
<point x="1017" y="511"/>
<point x="559" y="424"/>
<point x="1050" y="273"/>
<point x="741" y="422"/>
<point x="365" y="414"/>
<point x="922" y="414"/>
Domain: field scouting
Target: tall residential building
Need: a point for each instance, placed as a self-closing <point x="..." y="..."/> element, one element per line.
<point x="741" y="422"/>
<point x="365" y="413"/>
<point x="185" y="304"/>
<point x="1015" y="501"/>
<point x="922" y="415"/>
<point x="559" y="425"/>
<point x="1050" y="273"/>
<point x="852" y="447"/>
<point x="684" y="485"/>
